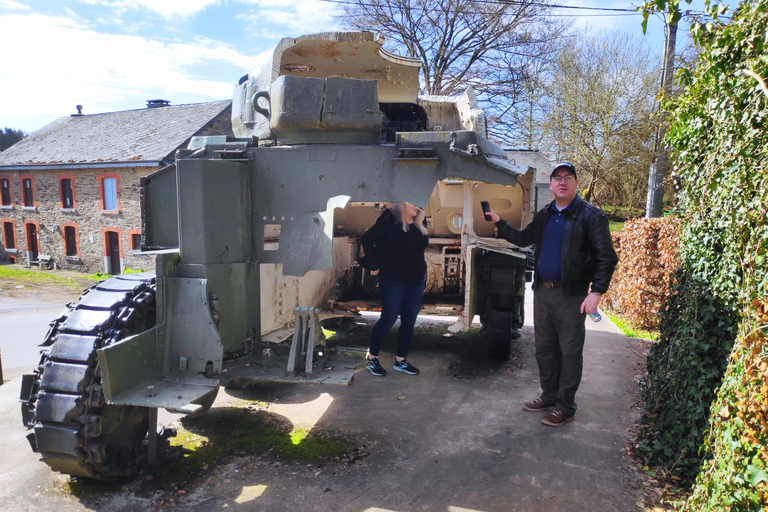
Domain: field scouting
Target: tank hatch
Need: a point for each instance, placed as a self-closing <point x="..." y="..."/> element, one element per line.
<point x="350" y="55"/>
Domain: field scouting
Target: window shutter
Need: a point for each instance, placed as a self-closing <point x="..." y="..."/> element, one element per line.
<point x="110" y="194"/>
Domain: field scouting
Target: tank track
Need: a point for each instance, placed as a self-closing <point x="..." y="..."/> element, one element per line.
<point x="63" y="402"/>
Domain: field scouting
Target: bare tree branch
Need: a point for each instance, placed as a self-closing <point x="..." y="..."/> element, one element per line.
<point x="460" y="42"/>
<point x="598" y="112"/>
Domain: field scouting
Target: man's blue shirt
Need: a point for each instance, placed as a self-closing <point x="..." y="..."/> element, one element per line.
<point x="551" y="255"/>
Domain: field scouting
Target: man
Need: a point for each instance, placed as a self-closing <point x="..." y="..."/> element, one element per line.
<point x="573" y="250"/>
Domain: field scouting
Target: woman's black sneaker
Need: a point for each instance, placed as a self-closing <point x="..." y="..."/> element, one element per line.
<point x="406" y="367"/>
<point x="375" y="367"/>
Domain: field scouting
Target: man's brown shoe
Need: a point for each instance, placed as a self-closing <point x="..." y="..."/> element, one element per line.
<point x="557" y="419"/>
<point x="538" y="405"/>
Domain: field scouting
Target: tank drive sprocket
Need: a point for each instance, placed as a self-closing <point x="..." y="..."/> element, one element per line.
<point x="63" y="402"/>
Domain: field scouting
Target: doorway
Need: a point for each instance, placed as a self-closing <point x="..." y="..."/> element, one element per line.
<point x="32" y="251"/>
<point x="113" y="252"/>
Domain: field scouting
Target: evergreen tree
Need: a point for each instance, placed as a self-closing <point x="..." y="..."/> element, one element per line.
<point x="9" y="137"/>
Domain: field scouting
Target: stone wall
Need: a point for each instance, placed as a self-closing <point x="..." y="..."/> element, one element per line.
<point x="88" y="218"/>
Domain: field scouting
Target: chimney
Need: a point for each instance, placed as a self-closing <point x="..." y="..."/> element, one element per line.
<point x="157" y="103"/>
<point x="79" y="111"/>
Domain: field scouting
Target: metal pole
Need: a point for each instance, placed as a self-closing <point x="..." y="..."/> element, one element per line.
<point x="152" y="437"/>
<point x="655" y="198"/>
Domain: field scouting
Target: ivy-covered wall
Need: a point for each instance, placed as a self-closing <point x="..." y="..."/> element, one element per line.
<point x="707" y="383"/>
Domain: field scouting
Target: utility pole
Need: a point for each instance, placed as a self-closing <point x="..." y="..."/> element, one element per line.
<point x="654" y="203"/>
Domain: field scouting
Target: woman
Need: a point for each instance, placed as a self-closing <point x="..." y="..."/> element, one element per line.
<point x="394" y="248"/>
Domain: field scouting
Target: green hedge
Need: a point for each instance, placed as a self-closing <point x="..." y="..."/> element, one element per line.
<point x="718" y="129"/>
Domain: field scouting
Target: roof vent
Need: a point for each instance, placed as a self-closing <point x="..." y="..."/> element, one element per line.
<point x="79" y="111"/>
<point x="157" y="103"/>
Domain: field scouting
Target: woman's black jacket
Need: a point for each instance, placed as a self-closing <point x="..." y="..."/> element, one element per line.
<point x="396" y="254"/>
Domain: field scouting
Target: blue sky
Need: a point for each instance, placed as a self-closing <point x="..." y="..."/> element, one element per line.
<point x="109" y="55"/>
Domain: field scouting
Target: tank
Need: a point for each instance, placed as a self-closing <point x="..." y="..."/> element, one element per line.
<point x="256" y="240"/>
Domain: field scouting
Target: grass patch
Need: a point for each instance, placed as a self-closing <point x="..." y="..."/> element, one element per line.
<point x="231" y="431"/>
<point x="14" y="275"/>
<point x="217" y="437"/>
<point x="618" y="215"/>
<point x="616" y="226"/>
<point x="628" y="329"/>
<point x="623" y="212"/>
<point x="87" y="488"/>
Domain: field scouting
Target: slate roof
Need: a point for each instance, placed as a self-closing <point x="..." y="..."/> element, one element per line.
<point x="131" y="136"/>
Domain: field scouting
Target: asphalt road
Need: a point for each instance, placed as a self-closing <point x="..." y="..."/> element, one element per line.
<point x="454" y="438"/>
<point x="23" y="325"/>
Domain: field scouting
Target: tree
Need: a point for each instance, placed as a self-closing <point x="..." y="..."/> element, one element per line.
<point x="597" y="111"/>
<point x="514" y="113"/>
<point x="493" y="46"/>
<point x="672" y="15"/>
<point x="9" y="137"/>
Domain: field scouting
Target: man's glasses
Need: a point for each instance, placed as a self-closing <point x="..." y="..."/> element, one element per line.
<point x="567" y="178"/>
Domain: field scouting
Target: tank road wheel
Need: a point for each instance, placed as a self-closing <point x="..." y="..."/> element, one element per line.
<point x="63" y="403"/>
<point x="499" y="334"/>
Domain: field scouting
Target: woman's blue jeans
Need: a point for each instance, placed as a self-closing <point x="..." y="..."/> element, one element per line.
<point x="398" y="298"/>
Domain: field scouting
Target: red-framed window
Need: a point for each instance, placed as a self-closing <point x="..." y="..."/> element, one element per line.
<point x="134" y="239"/>
<point x="109" y="191"/>
<point x="66" y="191"/>
<point x="9" y="233"/>
<point x="6" y="191"/>
<point x="28" y="196"/>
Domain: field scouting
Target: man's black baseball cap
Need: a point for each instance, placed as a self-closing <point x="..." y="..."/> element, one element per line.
<point x="567" y="166"/>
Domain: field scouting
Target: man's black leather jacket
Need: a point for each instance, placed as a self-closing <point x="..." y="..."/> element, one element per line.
<point x="588" y="254"/>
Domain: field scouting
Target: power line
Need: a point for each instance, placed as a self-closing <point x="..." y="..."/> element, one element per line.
<point x="592" y="15"/>
<point x="620" y="11"/>
<point x="500" y="2"/>
<point x="553" y="6"/>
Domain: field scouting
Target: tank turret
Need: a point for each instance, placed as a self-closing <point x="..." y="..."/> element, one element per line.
<point x="342" y="87"/>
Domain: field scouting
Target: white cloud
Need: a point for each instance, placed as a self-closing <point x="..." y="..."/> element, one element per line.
<point x="275" y="19"/>
<point x="171" y="8"/>
<point x="165" y="8"/>
<point x="14" y="6"/>
<point x="111" y="21"/>
<point x="72" y="14"/>
<point x="60" y="62"/>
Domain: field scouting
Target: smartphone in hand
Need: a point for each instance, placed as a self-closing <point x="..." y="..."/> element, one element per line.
<point x="486" y="208"/>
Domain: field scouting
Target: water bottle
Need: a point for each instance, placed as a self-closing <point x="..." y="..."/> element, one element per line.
<point x="595" y="316"/>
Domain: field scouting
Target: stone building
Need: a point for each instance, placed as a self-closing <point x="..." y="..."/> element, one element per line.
<point x="542" y="167"/>
<point x="69" y="193"/>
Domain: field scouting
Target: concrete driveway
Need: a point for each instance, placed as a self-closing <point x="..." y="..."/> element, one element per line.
<point x="454" y="438"/>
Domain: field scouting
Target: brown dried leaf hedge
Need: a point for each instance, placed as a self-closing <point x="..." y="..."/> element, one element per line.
<point x="648" y="256"/>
